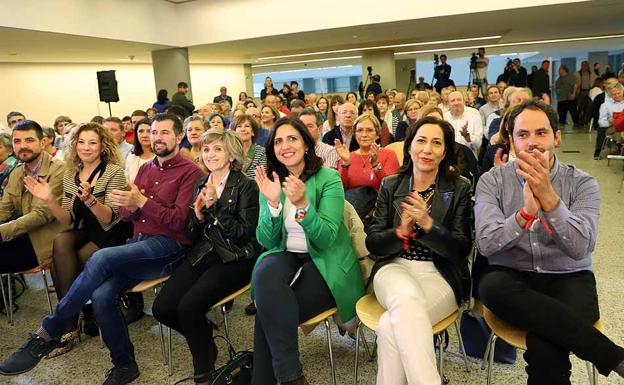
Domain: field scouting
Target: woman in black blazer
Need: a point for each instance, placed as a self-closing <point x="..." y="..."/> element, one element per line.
<point x="222" y="226"/>
<point x="422" y="234"/>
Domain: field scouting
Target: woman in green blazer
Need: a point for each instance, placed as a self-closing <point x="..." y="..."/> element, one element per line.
<point x="310" y="265"/>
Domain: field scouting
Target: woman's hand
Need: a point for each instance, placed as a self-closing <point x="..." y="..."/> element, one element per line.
<point x="84" y="192"/>
<point x="374" y="153"/>
<point x="295" y="191"/>
<point x="271" y="189"/>
<point x="343" y="152"/>
<point x="38" y="188"/>
<point x="415" y="210"/>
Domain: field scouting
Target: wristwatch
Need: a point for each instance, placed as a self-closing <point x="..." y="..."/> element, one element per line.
<point x="300" y="214"/>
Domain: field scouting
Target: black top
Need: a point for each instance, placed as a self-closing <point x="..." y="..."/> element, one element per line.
<point x="375" y="88"/>
<point x="334" y="134"/>
<point x="263" y="93"/>
<point x="219" y="98"/>
<point x="518" y="79"/>
<point x="416" y="251"/>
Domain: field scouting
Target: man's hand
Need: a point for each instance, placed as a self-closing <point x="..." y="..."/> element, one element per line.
<point x="500" y="158"/>
<point x="343" y="152"/>
<point x="132" y="200"/>
<point x="535" y="169"/>
<point x="464" y="132"/>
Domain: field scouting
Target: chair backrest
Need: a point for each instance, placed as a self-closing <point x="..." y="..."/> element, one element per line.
<point x="355" y="227"/>
<point x="397" y="147"/>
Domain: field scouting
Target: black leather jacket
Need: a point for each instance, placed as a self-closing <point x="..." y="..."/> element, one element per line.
<point x="450" y="238"/>
<point x="235" y="214"/>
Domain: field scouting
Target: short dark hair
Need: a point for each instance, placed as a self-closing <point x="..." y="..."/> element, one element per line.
<point x="177" y="123"/>
<point x="97" y="119"/>
<point x="49" y="132"/>
<point x="447" y="166"/>
<point x="313" y="162"/>
<point x="246" y="118"/>
<point x="294" y="82"/>
<point x="532" y="105"/>
<point x="114" y="119"/>
<point x="139" y="113"/>
<point x="309" y="111"/>
<point x="442" y="56"/>
<point x="545" y="61"/>
<point x="297" y="103"/>
<point x="138" y="149"/>
<point x="370" y="104"/>
<point x="564" y="67"/>
<point x="14" y="113"/>
<point x="183" y="84"/>
<point x="126" y="118"/>
<point x="481" y="48"/>
<point x="27" y="125"/>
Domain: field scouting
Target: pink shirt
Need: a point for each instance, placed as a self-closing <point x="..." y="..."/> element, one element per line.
<point x="360" y="172"/>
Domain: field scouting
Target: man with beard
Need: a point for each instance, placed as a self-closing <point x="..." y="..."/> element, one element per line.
<point x="537" y="222"/>
<point x="27" y="227"/>
<point x="157" y="204"/>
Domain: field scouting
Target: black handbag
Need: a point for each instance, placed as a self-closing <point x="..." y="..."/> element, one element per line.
<point x="132" y="305"/>
<point x="237" y="371"/>
<point x="476" y="333"/>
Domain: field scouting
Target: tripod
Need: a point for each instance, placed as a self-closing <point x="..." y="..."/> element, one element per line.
<point x="412" y="83"/>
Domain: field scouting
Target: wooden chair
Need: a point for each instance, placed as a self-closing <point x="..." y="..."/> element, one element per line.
<point x="8" y="299"/>
<point x="219" y="305"/>
<point x="517" y="337"/>
<point x="310" y="324"/>
<point x="370" y="311"/>
<point x="397" y="147"/>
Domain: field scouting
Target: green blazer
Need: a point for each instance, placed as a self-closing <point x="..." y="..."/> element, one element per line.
<point x="328" y="240"/>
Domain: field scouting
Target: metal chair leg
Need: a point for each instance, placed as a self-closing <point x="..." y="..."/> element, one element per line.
<point x="487" y="352"/>
<point x="101" y="338"/>
<point x="45" y="287"/>
<point x="440" y="355"/>
<point x="461" y="345"/>
<point x="225" y="322"/>
<point x="4" y="297"/>
<point x="10" y="308"/>
<point x="591" y="373"/>
<point x="594" y="375"/>
<point x="491" y="358"/>
<point x="170" y="360"/>
<point x="162" y="343"/>
<point x="371" y="355"/>
<point x="331" y="354"/>
<point x="357" y="351"/>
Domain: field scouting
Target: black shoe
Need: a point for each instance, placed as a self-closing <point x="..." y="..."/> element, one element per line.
<point x="121" y="375"/>
<point x="251" y="309"/>
<point x="89" y="325"/>
<point x="28" y="356"/>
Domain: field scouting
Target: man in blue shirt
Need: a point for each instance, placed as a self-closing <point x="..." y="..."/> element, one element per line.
<point x="536" y="222"/>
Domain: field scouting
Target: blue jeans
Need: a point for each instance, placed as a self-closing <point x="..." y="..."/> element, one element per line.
<point x="108" y="274"/>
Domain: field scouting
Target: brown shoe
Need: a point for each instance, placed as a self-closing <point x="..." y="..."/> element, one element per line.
<point x="68" y="340"/>
<point x="299" y="381"/>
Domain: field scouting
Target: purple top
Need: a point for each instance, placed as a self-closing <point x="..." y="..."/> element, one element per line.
<point x="169" y="189"/>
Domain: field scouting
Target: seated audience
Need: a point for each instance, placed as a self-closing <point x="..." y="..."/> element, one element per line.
<point x="49" y="138"/>
<point x="8" y="161"/>
<point x="536" y="222"/>
<point x="352" y="98"/>
<point x="142" y="151"/>
<point x="151" y="112"/>
<point x="610" y="108"/>
<point x="255" y="155"/>
<point x="13" y="118"/>
<point x="312" y="121"/>
<point x="322" y="107"/>
<point x="115" y="126"/>
<point x="93" y="171"/>
<point x="422" y="246"/>
<point x="268" y="116"/>
<point x="59" y="126"/>
<point x="194" y="128"/>
<point x="158" y="207"/>
<point x="137" y="115"/>
<point x="431" y="110"/>
<point x="347" y="113"/>
<point x="412" y="114"/>
<point x="225" y="208"/>
<point x="216" y="120"/>
<point x="494" y="103"/>
<point x="599" y="100"/>
<point x="363" y="170"/>
<point x="332" y="114"/>
<point x="296" y="106"/>
<point x="300" y="221"/>
<point x="466" y="121"/>
<point x="27" y="227"/>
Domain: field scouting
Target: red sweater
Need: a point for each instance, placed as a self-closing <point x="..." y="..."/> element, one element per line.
<point x="360" y="172"/>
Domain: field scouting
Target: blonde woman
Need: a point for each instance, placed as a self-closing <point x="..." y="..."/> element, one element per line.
<point x="93" y="171"/>
<point x="412" y="113"/>
<point x="194" y="127"/>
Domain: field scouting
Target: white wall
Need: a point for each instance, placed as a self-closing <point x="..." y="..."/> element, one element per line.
<point x="44" y="91"/>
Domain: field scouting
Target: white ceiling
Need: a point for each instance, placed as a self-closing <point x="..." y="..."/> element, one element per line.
<point x="598" y="17"/>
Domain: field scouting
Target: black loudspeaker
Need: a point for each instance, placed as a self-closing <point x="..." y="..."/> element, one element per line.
<point x="107" y="86"/>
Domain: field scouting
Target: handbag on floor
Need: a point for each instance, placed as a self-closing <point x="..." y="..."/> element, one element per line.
<point x="476" y="333"/>
<point x="237" y="371"/>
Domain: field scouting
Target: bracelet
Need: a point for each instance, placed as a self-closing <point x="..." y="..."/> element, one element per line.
<point x="345" y="165"/>
<point x="531" y="219"/>
<point x="92" y="203"/>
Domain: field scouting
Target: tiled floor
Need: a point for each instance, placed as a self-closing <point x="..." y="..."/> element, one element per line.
<point x="87" y="363"/>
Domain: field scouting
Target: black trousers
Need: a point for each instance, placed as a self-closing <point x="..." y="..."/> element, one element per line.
<point x="558" y="311"/>
<point x="17" y="255"/>
<point x="562" y="109"/>
<point x="601" y="134"/>
<point x="281" y="308"/>
<point x="190" y="293"/>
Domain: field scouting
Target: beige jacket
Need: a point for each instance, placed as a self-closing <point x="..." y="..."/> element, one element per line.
<point x="22" y="213"/>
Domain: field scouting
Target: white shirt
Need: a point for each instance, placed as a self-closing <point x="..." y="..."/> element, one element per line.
<point x="482" y="72"/>
<point x="295" y="236"/>
<point x="594" y="92"/>
<point x="133" y="164"/>
<point x="475" y="127"/>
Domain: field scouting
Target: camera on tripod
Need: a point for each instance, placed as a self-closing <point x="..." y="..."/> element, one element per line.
<point x="370" y="71"/>
<point x="436" y="59"/>
<point x="473" y="61"/>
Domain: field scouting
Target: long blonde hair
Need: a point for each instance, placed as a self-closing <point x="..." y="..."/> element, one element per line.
<point x="109" y="153"/>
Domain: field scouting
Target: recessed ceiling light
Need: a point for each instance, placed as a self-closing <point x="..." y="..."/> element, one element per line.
<point x="566" y="40"/>
<point x="307" y="61"/>
<point x="381" y="47"/>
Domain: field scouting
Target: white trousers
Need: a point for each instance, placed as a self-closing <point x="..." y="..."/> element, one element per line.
<point x="416" y="297"/>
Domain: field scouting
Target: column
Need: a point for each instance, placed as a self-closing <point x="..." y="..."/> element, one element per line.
<point x="383" y="65"/>
<point x="249" y="81"/>
<point x="601" y="57"/>
<point x="402" y="69"/>
<point x="171" y="66"/>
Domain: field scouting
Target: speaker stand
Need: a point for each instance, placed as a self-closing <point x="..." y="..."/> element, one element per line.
<point x="110" y="113"/>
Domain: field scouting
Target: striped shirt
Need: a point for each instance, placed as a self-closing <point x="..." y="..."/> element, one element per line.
<point x="327" y="153"/>
<point x="256" y="156"/>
